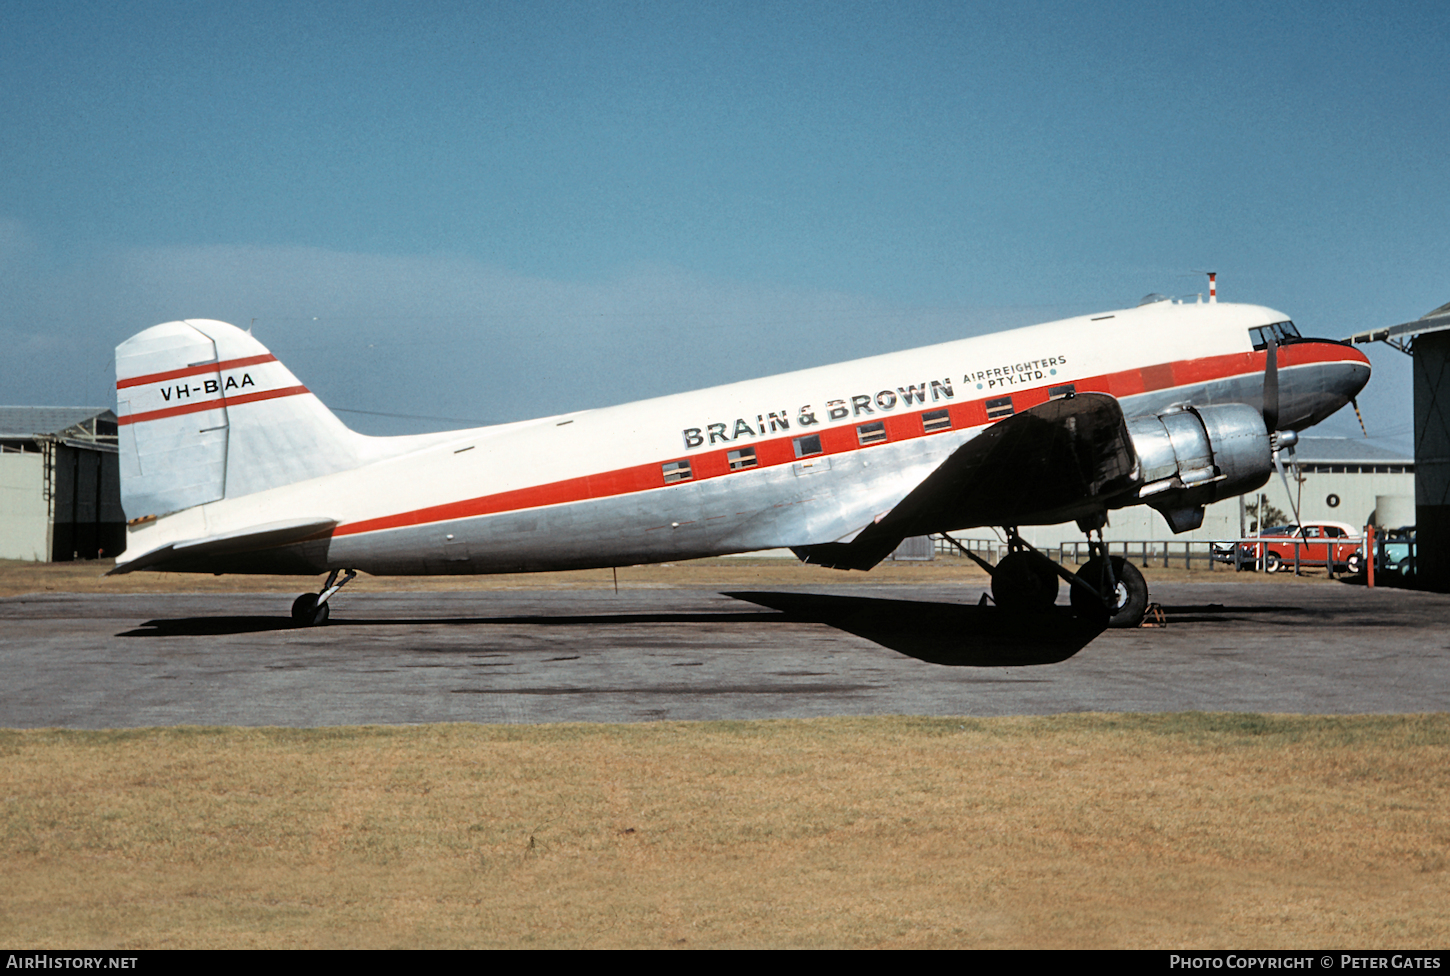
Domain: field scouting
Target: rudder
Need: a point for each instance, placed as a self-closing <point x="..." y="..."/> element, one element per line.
<point x="207" y="412"/>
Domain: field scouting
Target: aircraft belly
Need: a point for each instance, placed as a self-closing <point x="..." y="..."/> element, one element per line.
<point x="745" y="511"/>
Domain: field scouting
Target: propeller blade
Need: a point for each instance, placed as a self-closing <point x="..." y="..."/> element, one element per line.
<point x="1355" y="403"/>
<point x="1271" y="386"/>
<point x="1279" y="463"/>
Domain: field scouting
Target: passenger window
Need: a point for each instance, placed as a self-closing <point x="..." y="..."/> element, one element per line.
<point x="806" y="446"/>
<point x="935" y="420"/>
<point x="1065" y="390"/>
<point x="743" y="458"/>
<point x="871" y="433"/>
<point x="1001" y="407"/>
<point x="677" y="471"/>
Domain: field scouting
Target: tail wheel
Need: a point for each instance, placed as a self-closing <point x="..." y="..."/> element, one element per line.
<point x="1272" y="562"/>
<point x="1024" y="581"/>
<point x="307" y="613"/>
<point x="1129" y="598"/>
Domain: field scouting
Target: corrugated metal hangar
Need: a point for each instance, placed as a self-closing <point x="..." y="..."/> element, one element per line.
<point x="60" y="488"/>
<point x="1427" y="341"/>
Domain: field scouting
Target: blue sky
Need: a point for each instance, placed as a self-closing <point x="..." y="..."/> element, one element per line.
<point x="489" y="211"/>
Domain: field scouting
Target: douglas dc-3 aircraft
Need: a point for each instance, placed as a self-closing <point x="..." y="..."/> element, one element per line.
<point x="230" y="465"/>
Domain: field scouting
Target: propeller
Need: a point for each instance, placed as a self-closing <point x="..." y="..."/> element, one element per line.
<point x="1271" y="385"/>
<point x="1278" y="439"/>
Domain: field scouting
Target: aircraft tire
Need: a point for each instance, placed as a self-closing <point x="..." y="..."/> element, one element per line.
<point x="1023" y="582"/>
<point x="1131" y="595"/>
<point x="1354" y="565"/>
<point x="306" y="612"/>
<point x="1272" y="562"/>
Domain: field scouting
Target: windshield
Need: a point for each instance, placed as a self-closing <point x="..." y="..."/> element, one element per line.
<point x="1283" y="333"/>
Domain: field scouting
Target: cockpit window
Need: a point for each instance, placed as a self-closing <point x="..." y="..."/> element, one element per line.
<point x="1283" y="333"/>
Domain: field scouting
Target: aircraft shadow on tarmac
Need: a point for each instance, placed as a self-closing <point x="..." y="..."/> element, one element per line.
<point x="222" y="626"/>
<point x="950" y="634"/>
<point x="939" y="633"/>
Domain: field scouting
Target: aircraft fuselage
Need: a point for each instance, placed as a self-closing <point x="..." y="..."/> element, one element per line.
<point x="796" y="459"/>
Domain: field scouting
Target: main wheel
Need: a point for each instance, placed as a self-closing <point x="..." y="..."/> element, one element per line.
<point x="1130" y="593"/>
<point x="1024" y="581"/>
<point x="307" y="613"/>
<point x="1272" y="562"/>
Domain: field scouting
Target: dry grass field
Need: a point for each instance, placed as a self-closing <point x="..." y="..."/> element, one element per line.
<point x="17" y="577"/>
<point x="1070" y="831"/>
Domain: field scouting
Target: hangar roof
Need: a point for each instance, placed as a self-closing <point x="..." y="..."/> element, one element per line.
<point x="1348" y="450"/>
<point x="1397" y="335"/>
<point x="24" y="422"/>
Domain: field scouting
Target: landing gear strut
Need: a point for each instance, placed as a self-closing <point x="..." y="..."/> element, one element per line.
<point x="1114" y="587"/>
<point x="1107" y="588"/>
<point x="1023" y="580"/>
<point x="311" y="609"/>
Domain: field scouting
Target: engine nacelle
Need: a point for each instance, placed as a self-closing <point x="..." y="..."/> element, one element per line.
<point x="1189" y="457"/>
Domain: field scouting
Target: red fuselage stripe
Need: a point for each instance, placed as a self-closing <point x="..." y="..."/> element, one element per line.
<point x="836" y="440"/>
<point x="217" y="404"/>
<point x="197" y="370"/>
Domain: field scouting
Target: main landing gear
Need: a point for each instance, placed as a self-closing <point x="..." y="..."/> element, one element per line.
<point x="311" y="609"/>
<point x="1126" y="599"/>
<point x="1106" y="588"/>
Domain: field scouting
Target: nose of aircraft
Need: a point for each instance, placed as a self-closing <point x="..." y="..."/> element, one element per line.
<point x="1343" y="371"/>
<point x="1352" y="374"/>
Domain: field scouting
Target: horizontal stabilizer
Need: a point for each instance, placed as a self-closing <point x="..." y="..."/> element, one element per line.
<point x="268" y="536"/>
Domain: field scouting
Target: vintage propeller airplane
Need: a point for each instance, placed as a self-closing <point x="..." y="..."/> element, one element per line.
<point x="230" y="465"/>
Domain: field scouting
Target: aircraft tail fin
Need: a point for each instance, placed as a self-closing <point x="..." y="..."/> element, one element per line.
<point x="206" y="412"/>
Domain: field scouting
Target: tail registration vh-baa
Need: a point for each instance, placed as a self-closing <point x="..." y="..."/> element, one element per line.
<point x="230" y="465"/>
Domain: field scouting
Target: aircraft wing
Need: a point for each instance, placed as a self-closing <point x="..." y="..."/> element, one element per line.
<point x="1051" y="463"/>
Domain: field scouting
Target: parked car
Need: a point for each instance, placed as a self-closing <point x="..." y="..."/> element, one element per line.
<point x="1395" y="552"/>
<point x="1315" y="542"/>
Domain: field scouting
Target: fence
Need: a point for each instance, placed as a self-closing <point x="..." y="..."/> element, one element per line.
<point x="1293" y="554"/>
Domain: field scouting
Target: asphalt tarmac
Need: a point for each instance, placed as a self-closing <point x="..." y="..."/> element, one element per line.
<point x="124" y="661"/>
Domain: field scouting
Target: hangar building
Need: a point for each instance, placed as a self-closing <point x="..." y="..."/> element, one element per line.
<point x="60" y="487"/>
<point x="1427" y="341"/>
